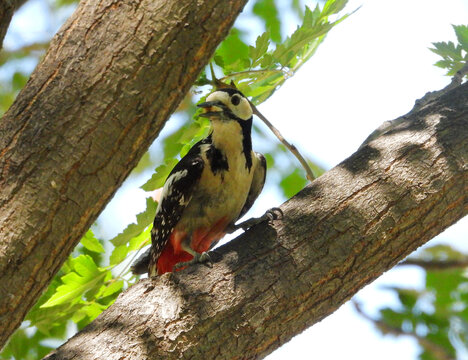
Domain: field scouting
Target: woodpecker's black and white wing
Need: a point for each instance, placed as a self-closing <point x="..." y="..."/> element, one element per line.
<point x="177" y="193"/>
<point x="258" y="181"/>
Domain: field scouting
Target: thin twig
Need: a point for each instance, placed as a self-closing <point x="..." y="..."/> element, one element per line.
<point x="437" y="264"/>
<point x="292" y="148"/>
<point x="21" y="52"/>
<point x="247" y="72"/>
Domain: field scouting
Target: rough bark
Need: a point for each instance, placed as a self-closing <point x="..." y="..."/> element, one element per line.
<point x="112" y="76"/>
<point x="337" y="235"/>
<point x="7" y="8"/>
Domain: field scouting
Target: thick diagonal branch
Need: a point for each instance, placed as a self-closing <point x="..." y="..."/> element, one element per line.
<point x="337" y="235"/>
<point x="112" y="76"/>
<point x="7" y="8"/>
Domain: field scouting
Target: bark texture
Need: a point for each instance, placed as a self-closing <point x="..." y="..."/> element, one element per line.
<point x="337" y="235"/>
<point x="112" y="76"/>
<point x="7" y="8"/>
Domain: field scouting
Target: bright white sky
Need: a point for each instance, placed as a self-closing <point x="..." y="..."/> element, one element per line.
<point x="371" y="68"/>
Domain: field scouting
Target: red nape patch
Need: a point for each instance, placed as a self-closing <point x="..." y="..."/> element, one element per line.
<point x="169" y="258"/>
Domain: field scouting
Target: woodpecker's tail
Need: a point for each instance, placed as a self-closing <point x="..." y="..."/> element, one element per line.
<point x="140" y="266"/>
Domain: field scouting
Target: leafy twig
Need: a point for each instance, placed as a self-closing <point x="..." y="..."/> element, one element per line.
<point x="437" y="351"/>
<point x="23" y="51"/>
<point x="250" y="72"/>
<point x="437" y="264"/>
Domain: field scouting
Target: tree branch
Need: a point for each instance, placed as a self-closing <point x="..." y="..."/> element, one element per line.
<point x="7" y="8"/>
<point x="436" y="350"/>
<point x="337" y="235"/>
<point x="112" y="76"/>
<point x="437" y="264"/>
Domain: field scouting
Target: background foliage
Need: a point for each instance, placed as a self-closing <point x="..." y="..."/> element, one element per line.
<point x="258" y="63"/>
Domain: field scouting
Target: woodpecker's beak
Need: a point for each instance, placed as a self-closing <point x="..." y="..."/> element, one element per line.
<point x="212" y="108"/>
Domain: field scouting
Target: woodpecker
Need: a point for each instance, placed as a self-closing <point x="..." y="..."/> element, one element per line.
<point x="210" y="188"/>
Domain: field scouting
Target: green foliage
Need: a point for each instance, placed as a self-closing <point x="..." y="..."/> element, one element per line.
<point x="437" y="317"/>
<point x="233" y="54"/>
<point x="258" y="71"/>
<point x="454" y="56"/>
<point x="11" y="88"/>
<point x="84" y="276"/>
<point x="60" y="3"/>
<point x="292" y="183"/>
<point x="90" y="242"/>
<point x="268" y="12"/>
<point x="135" y="235"/>
<point x="27" y="345"/>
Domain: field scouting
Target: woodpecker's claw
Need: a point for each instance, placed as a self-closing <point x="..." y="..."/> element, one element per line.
<point x="274" y="213"/>
<point x="270" y="215"/>
<point x="206" y="258"/>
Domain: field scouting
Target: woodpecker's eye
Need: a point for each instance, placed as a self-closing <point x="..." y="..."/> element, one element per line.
<point x="235" y="100"/>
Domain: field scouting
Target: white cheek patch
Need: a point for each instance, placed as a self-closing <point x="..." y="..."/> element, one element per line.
<point x="244" y="111"/>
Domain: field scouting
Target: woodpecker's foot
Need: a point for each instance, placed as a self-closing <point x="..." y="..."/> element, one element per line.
<point x="206" y="258"/>
<point x="270" y="215"/>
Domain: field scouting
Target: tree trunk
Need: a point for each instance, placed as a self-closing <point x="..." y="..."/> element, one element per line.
<point x="337" y="235"/>
<point x="112" y="76"/>
<point x="7" y="8"/>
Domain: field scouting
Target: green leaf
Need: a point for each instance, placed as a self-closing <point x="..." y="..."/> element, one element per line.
<point x="270" y="160"/>
<point x="268" y="12"/>
<point x="75" y="284"/>
<point x="23" y="345"/>
<point x="293" y="183"/>
<point x="454" y="57"/>
<point x="234" y="52"/>
<point x="333" y="7"/>
<point x="408" y="297"/>
<point x="60" y="3"/>
<point x="141" y="240"/>
<point x="266" y="61"/>
<point x="218" y="60"/>
<point x="462" y="35"/>
<point x="18" y="81"/>
<point x="393" y="318"/>
<point x="144" y="219"/>
<point x="115" y="286"/>
<point x="93" y="310"/>
<point x="90" y="242"/>
<point x="118" y="254"/>
<point x="261" y="47"/>
<point x="78" y="316"/>
<point x="447" y="50"/>
<point x="160" y="175"/>
<point x="444" y="284"/>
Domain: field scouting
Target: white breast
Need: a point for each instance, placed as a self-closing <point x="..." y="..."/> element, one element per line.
<point x="218" y="195"/>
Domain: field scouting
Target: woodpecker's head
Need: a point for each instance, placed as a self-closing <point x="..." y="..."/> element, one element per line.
<point x="227" y="104"/>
